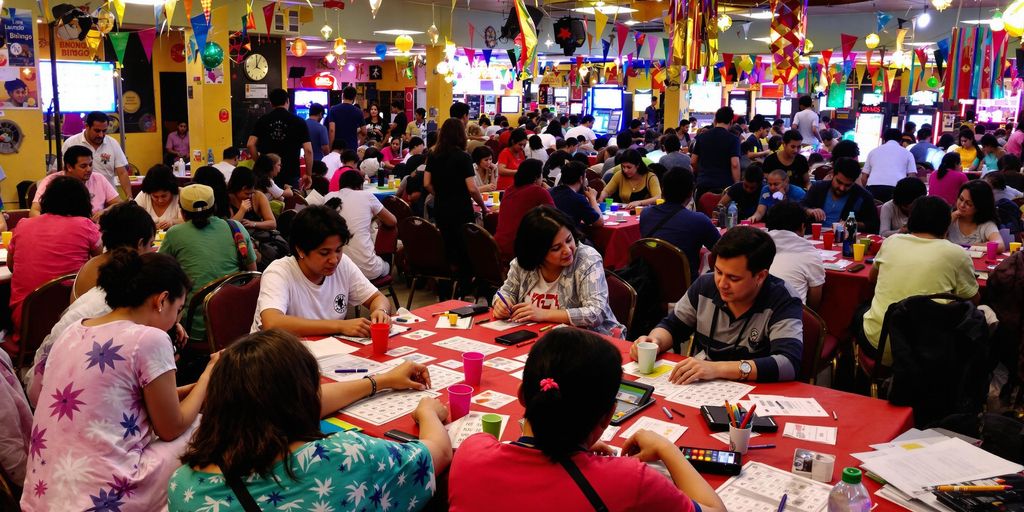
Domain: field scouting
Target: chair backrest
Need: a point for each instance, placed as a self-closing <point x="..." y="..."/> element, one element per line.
<point x="666" y="260"/>
<point x="814" y="340"/>
<point x="597" y="184"/>
<point x="284" y="222"/>
<point x="491" y="222"/>
<point x="494" y="146"/>
<point x="40" y="312"/>
<point x="399" y="208"/>
<point x="707" y="202"/>
<point x="483" y="252"/>
<point x="14" y="216"/>
<point x="22" y="188"/>
<point x="592" y="175"/>
<point x="424" y="248"/>
<point x="197" y="300"/>
<point x="30" y="194"/>
<point x="822" y="171"/>
<point x="621" y="298"/>
<point x="230" y="308"/>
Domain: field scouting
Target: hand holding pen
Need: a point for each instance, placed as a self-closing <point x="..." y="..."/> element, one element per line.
<point x="501" y="309"/>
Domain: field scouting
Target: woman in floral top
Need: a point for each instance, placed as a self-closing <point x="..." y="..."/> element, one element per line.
<point x="110" y="423"/>
<point x="553" y="279"/>
<point x="260" y="434"/>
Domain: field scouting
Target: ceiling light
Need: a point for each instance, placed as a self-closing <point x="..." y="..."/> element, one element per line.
<point x="941" y="5"/>
<point x="977" y="22"/>
<point x="757" y="15"/>
<point x="630" y="22"/>
<point x="765" y="40"/>
<point x="145" y="2"/>
<point x="724" y="22"/>
<point x="398" y="32"/>
<point x="605" y="9"/>
<point x="997" y="21"/>
<point x="923" y="43"/>
<point x="924" y="19"/>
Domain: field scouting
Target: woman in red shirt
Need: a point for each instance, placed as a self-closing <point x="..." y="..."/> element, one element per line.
<point x="569" y="387"/>
<point x="527" y="194"/>
<point x="511" y="157"/>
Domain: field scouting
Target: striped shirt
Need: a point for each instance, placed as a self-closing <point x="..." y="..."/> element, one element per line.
<point x="770" y="333"/>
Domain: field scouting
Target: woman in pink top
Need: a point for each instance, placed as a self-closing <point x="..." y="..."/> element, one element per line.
<point x="569" y="387"/>
<point x="1016" y="140"/>
<point x="946" y="181"/>
<point x="56" y="243"/>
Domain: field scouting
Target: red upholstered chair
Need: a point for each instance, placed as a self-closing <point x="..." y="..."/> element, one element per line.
<point x="197" y="301"/>
<point x="597" y="184"/>
<point x="491" y="222"/>
<point x="39" y="313"/>
<point x="424" y="254"/>
<point x="820" y="347"/>
<point x="488" y="270"/>
<point x="399" y="208"/>
<point x="230" y="308"/>
<point x="707" y="203"/>
<point x="822" y="172"/>
<point x="666" y="260"/>
<point x="621" y="298"/>
<point x="13" y="217"/>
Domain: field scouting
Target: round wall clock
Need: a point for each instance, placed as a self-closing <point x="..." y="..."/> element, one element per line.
<point x="256" y="67"/>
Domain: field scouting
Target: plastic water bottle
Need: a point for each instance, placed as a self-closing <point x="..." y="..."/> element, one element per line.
<point x="209" y="157"/>
<point x="179" y="167"/>
<point x="733" y="214"/>
<point x="849" y="495"/>
<point x="850" y="237"/>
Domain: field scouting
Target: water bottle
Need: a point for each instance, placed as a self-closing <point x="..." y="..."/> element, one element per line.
<point x="850" y="237"/>
<point x="849" y="495"/>
<point x="209" y="157"/>
<point x="179" y="167"/>
<point x="733" y="214"/>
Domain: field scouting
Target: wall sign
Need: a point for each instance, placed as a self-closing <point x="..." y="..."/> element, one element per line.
<point x="376" y="73"/>
<point x="224" y="115"/>
<point x="11" y="137"/>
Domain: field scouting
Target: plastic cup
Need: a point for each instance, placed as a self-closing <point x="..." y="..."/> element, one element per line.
<point x="614" y="207"/>
<point x="379" y="334"/>
<point x="608" y="201"/>
<point x="6" y="237"/>
<point x="1014" y="247"/>
<point x="646" y="354"/>
<point x="496" y="196"/>
<point x="639" y="209"/>
<point x="659" y="201"/>
<point x="453" y="319"/>
<point x="1007" y="237"/>
<point x="826" y="240"/>
<point x="858" y="252"/>
<point x="459" y="397"/>
<point x="739" y="438"/>
<point x="816" y="231"/>
<point x="492" y="424"/>
<point x="992" y="250"/>
<point x="472" y="367"/>
<point x="604" y="207"/>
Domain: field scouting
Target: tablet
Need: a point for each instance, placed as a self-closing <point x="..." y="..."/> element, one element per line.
<point x="631" y="398"/>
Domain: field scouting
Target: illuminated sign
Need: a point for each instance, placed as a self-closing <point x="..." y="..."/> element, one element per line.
<point x="324" y="80"/>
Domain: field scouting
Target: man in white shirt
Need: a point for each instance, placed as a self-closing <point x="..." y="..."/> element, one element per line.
<point x="360" y="208"/>
<point x="797" y="261"/>
<point x="585" y="129"/>
<point x="886" y="165"/>
<point x="807" y="121"/>
<point x="333" y="159"/>
<point x="229" y="160"/>
<point x="107" y="156"/>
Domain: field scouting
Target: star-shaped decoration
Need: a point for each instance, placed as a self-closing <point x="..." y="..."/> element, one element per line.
<point x="66" y="402"/>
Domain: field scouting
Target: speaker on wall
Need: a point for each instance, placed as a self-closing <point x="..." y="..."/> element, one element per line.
<point x="296" y="72"/>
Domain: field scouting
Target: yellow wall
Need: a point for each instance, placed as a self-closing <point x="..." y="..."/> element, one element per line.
<point x="206" y="129"/>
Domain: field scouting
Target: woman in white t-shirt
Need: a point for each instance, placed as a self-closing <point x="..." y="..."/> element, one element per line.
<point x="975" y="217"/>
<point x="159" y="196"/>
<point x="309" y="293"/>
<point x="266" y="168"/>
<point x="360" y="209"/>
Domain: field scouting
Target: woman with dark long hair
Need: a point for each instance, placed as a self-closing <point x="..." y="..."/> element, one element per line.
<point x="946" y="181"/>
<point x="974" y="217"/>
<point x="212" y="177"/>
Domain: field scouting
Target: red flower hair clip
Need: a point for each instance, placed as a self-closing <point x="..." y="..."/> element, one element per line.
<point x="548" y="384"/>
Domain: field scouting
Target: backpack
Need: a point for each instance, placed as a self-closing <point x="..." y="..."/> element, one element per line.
<point x="1008" y="214"/>
<point x="1004" y="293"/>
<point x="649" y="309"/>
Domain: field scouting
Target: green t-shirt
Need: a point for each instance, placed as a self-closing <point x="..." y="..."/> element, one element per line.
<point x="205" y="254"/>
<point x="908" y="266"/>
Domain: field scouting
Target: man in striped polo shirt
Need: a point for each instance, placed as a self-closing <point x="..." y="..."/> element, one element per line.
<point x="746" y="324"/>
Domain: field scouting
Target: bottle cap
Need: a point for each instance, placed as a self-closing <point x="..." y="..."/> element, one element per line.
<point x="851" y="475"/>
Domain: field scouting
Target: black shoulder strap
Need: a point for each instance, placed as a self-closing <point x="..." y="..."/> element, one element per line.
<point x="244" y="498"/>
<point x="662" y="223"/>
<point x="584" y="485"/>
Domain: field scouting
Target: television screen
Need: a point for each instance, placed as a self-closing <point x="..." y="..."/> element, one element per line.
<point x="509" y="105"/>
<point x="871" y="98"/>
<point x="740" y="106"/>
<point x="607" y="98"/>
<point x="561" y="94"/>
<point x="705" y="97"/>
<point x="785" y="107"/>
<point x="600" y="122"/>
<point x="766" y="107"/>
<point x="83" y="86"/>
<point x="305" y="97"/>
<point x="926" y="98"/>
<point x="641" y="101"/>
<point x="575" y="108"/>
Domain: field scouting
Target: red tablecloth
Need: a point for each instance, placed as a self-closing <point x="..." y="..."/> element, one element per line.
<point x="614" y="241"/>
<point x="862" y="421"/>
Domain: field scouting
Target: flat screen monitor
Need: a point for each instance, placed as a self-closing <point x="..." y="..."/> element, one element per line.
<point x="785" y="107"/>
<point x="509" y="104"/>
<point x="705" y="97"/>
<point x="871" y="98"/>
<point x="641" y="100"/>
<point x="83" y="86"/>
<point x="600" y="122"/>
<point x="576" y="108"/>
<point x="766" y="107"/>
<point x="739" y="106"/>
<point x="306" y="97"/>
<point x="605" y="98"/>
<point x="925" y="98"/>
<point x="561" y="94"/>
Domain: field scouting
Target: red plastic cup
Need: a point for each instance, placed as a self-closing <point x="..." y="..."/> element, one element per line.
<point x="379" y="334"/>
<point x="472" y="367"/>
<point x="459" y="397"/>
<point x="816" y="231"/>
<point x="826" y="239"/>
<point x="992" y="250"/>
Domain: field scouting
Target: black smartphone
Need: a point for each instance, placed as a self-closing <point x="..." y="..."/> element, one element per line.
<point x="513" y="338"/>
<point x="856" y="267"/>
<point x="718" y="419"/>
<point x="398" y="435"/>
<point x="473" y="310"/>
<point x="631" y="398"/>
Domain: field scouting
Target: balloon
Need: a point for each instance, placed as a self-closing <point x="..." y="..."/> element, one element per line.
<point x="403" y="43"/>
<point x="933" y="82"/>
<point x="1013" y="18"/>
<point x="299" y="47"/>
<point x="104" y="20"/>
<point x="381" y="49"/>
<point x="871" y="41"/>
<point x="212" y="55"/>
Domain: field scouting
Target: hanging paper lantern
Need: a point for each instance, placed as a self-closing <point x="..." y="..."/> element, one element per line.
<point x="403" y="43"/>
<point x="104" y="20"/>
<point x="329" y="58"/>
<point x="374" y="5"/>
<point x="724" y="22"/>
<point x="933" y="82"/>
<point x="381" y="50"/>
<point x="997" y="21"/>
<point x="339" y="46"/>
<point x="299" y="47"/>
<point x="871" y="40"/>
<point x="1013" y="18"/>
<point x="808" y="46"/>
<point x="941" y="5"/>
<point x="326" y="32"/>
<point x="433" y="34"/>
<point x="212" y="55"/>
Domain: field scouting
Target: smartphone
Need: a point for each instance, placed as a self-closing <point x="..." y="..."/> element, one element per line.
<point x="856" y="267"/>
<point x="465" y="311"/>
<point x="513" y="338"/>
<point x="631" y="398"/>
<point x="398" y="435"/>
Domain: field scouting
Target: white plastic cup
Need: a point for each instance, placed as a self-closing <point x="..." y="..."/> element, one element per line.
<point x="739" y="438"/>
<point x="646" y="354"/>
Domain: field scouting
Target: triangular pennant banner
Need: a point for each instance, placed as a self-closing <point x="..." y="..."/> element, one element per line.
<point x="268" y="15"/>
<point x="848" y="42"/>
<point x="487" y="56"/>
<point x="470" y="55"/>
<point x="158" y="11"/>
<point x="746" y="29"/>
<point x="146" y="37"/>
<point x="883" y="20"/>
<point x="119" y="40"/>
<point x="826" y="55"/>
<point x="119" y="11"/>
<point x="639" y="37"/>
<point x="512" y="57"/>
<point x="600" y="19"/>
<point x="200" y="28"/>
<point x="621" y="30"/>
<point x="650" y="51"/>
<point x="472" y="33"/>
<point x="605" y="45"/>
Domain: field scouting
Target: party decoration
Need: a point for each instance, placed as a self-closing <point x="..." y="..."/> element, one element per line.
<point x="326" y="31"/>
<point x="941" y="5"/>
<point x="621" y="29"/>
<point x="169" y="6"/>
<point x="119" y="10"/>
<point x="432" y="34"/>
<point x="268" y="15"/>
<point x="207" y="4"/>
<point x="329" y="58"/>
<point x="997" y="23"/>
<point x="188" y="7"/>
<point x="724" y="22"/>
<point x="601" y="19"/>
<point x="526" y="42"/>
<point x="932" y="82"/>
<point x="299" y="47"/>
<point x="104" y="19"/>
<point x="146" y="37"/>
<point x="374" y="5"/>
<point x="339" y="46"/>
<point x="883" y="20"/>
<point x="1013" y="18"/>
<point x="200" y="28"/>
<point x="808" y="46"/>
<point x="787" y="37"/>
<point x="119" y="40"/>
<point x="871" y="41"/>
<point x="213" y="55"/>
<point x="487" y="56"/>
<point x="403" y="43"/>
<point x="381" y="50"/>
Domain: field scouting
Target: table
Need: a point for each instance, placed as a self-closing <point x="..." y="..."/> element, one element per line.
<point x="613" y="241"/>
<point x="381" y="193"/>
<point x="862" y="421"/>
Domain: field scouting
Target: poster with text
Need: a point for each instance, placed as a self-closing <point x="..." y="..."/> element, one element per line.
<point x="17" y="24"/>
<point x="20" y="89"/>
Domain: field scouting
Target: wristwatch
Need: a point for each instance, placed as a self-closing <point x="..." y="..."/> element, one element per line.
<point x="745" y="369"/>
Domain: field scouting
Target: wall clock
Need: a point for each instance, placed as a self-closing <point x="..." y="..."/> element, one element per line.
<point x="256" y="67"/>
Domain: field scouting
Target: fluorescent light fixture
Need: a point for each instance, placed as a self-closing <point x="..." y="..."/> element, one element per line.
<point x="605" y="9"/>
<point x="371" y="58"/>
<point x="985" y="21"/>
<point x="765" y="40"/>
<point x="398" y="32"/>
<point x="630" y="22"/>
<point x="925" y="43"/>
<point x="757" y="15"/>
<point x="144" y="2"/>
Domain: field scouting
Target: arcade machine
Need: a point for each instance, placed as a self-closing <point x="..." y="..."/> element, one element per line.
<point x="994" y="113"/>
<point x="739" y="100"/>
<point x="576" y="107"/>
<point x="561" y="102"/>
<point x="641" y="100"/>
<point x="844" y="118"/>
<point x="301" y="99"/>
<point x="705" y="99"/>
<point x="610" y="106"/>
<point x="920" y="109"/>
<point x="872" y="121"/>
<point x="772" y="104"/>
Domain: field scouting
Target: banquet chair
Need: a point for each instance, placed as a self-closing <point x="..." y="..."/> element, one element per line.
<point x="425" y="256"/>
<point x="197" y="300"/>
<point x="597" y="184"/>
<point x="398" y="207"/>
<point x="14" y="216"/>
<point x="621" y="298"/>
<point x="707" y="202"/>
<point x="491" y="222"/>
<point x="30" y="194"/>
<point x="820" y="348"/>
<point x="229" y="309"/>
<point x="39" y="313"/>
<point x="494" y="146"/>
<point x="821" y="172"/>
<point x="488" y="271"/>
<point x="666" y="260"/>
